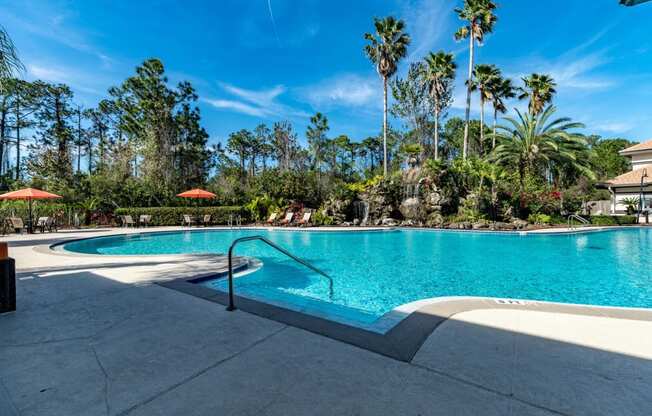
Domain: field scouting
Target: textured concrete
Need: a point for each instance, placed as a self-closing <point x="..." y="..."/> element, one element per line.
<point x="579" y="365"/>
<point x="94" y="336"/>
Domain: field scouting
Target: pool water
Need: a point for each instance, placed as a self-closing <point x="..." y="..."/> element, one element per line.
<point x="376" y="271"/>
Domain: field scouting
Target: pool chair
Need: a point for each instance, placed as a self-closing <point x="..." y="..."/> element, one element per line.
<point x="144" y="220"/>
<point x="272" y="218"/>
<point x="206" y="221"/>
<point x="46" y="223"/>
<point x="188" y="220"/>
<point x="128" y="221"/>
<point x="288" y="219"/>
<point x="16" y="224"/>
<point x="305" y="220"/>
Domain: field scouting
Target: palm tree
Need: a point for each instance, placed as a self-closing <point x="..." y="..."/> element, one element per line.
<point x="500" y="89"/>
<point x="483" y="77"/>
<point x="385" y="50"/>
<point x="539" y="89"/>
<point x="531" y="142"/>
<point x="479" y="20"/>
<point x="9" y="62"/>
<point x="439" y="77"/>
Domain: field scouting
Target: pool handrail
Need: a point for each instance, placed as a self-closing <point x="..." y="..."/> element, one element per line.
<point x="578" y="218"/>
<point x="231" y="306"/>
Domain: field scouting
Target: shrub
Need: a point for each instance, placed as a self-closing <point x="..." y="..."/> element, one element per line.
<point x="613" y="219"/>
<point x="540" y="219"/>
<point x="174" y="215"/>
<point x="319" y="218"/>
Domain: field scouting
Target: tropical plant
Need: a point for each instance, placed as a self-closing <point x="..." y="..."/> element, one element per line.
<point x="530" y="142"/>
<point x="539" y="89"/>
<point x="9" y="62"/>
<point x="385" y="50"/>
<point x="483" y="78"/>
<point x="479" y="20"/>
<point x="631" y="203"/>
<point x="500" y="89"/>
<point x="439" y="77"/>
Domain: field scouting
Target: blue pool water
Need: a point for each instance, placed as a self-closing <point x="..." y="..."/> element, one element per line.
<point x="374" y="272"/>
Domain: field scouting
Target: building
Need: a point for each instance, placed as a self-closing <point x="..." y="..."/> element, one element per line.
<point x="628" y="185"/>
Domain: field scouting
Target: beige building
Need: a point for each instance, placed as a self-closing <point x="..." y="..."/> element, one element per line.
<point x="628" y="185"/>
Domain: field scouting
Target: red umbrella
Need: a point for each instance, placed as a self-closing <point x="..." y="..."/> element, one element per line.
<point x="197" y="194"/>
<point x="29" y="194"/>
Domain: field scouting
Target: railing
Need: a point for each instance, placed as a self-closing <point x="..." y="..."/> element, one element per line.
<point x="238" y="221"/>
<point x="231" y="306"/>
<point x="578" y="218"/>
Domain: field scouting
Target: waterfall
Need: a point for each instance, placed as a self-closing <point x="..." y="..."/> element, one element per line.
<point x="411" y="190"/>
<point x="361" y="211"/>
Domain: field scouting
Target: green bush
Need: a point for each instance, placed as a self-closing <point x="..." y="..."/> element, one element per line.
<point x="174" y="215"/>
<point x="540" y="219"/>
<point x="613" y="219"/>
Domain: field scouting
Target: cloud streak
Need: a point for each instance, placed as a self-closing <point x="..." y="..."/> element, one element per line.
<point x="348" y="90"/>
<point x="258" y="103"/>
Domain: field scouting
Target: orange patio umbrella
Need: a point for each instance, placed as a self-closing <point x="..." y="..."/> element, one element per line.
<point x="29" y="194"/>
<point x="197" y="194"/>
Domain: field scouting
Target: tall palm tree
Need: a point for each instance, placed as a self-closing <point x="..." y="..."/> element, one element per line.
<point x="479" y="20"/>
<point x="531" y="142"/>
<point x="385" y="50"/>
<point x="539" y="89"/>
<point x="483" y="77"/>
<point x="439" y="77"/>
<point x="9" y="62"/>
<point x="501" y="89"/>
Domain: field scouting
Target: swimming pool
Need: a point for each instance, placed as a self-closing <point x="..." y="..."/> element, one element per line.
<point x="376" y="271"/>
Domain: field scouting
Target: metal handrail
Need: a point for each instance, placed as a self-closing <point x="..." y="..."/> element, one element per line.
<point x="578" y="218"/>
<point x="231" y="306"/>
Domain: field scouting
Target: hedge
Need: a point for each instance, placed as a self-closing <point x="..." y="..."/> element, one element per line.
<point x="174" y="215"/>
<point x="613" y="219"/>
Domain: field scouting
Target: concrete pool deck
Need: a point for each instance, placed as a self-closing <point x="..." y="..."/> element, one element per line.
<point x="96" y="335"/>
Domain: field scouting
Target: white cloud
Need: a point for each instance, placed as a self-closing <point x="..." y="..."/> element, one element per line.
<point x="349" y="90"/>
<point x="427" y="21"/>
<point x="237" y="106"/>
<point x="258" y="103"/>
<point x="612" y="127"/>
<point x="62" y="75"/>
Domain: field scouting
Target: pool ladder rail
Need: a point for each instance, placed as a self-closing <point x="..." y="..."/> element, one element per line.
<point x="578" y="218"/>
<point x="238" y="221"/>
<point x="235" y="242"/>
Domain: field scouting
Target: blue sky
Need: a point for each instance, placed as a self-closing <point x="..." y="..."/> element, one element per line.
<point x="255" y="61"/>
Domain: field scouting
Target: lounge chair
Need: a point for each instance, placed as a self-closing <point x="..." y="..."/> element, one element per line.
<point x="16" y="224"/>
<point x="188" y="220"/>
<point x="128" y="221"/>
<point x="272" y="218"/>
<point x="206" y="221"/>
<point x="41" y="223"/>
<point x="288" y="219"/>
<point x="144" y="220"/>
<point x="305" y="220"/>
<point x="46" y="223"/>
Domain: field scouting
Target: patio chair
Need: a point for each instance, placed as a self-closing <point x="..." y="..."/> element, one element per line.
<point x="52" y="224"/>
<point x="41" y="223"/>
<point x="16" y="224"/>
<point x="188" y="220"/>
<point x="144" y="220"/>
<point x="206" y="221"/>
<point x="272" y="218"/>
<point x="305" y="220"/>
<point x="288" y="219"/>
<point x="128" y="221"/>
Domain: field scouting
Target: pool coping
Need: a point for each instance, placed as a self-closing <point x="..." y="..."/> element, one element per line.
<point x="403" y="340"/>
